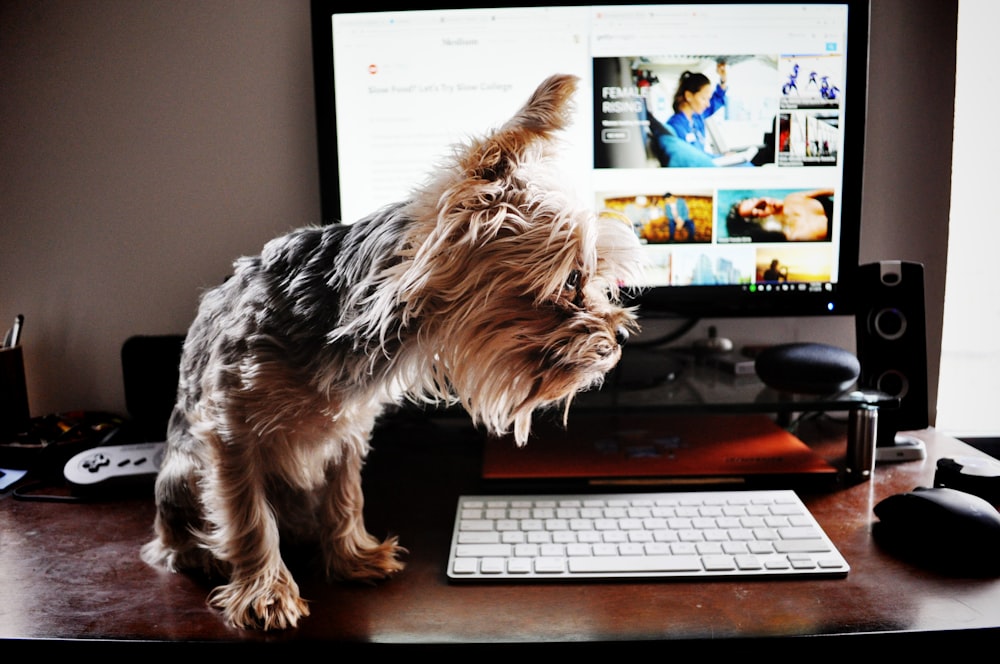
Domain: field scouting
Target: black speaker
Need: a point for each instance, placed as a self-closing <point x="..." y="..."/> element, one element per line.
<point x="892" y="342"/>
<point x="151" y="371"/>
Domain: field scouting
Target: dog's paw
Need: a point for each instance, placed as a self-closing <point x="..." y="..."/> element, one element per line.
<point x="158" y="555"/>
<point x="264" y="602"/>
<point x="155" y="554"/>
<point x="370" y="560"/>
<point x="163" y="556"/>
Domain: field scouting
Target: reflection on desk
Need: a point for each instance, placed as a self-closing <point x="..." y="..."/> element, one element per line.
<point x="72" y="572"/>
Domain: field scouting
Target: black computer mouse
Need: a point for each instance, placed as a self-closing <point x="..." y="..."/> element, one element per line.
<point x="949" y="530"/>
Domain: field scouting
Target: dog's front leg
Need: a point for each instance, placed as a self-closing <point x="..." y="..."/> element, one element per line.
<point x="349" y="550"/>
<point x="261" y="592"/>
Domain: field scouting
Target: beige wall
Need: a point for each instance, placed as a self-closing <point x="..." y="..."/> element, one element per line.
<point x="144" y="144"/>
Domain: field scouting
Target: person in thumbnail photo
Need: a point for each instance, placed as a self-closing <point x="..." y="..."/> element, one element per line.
<point x="695" y="100"/>
<point x="676" y="211"/>
<point x="793" y="216"/>
<point x="775" y="271"/>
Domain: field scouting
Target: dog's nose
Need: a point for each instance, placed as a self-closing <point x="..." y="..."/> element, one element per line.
<point x="621" y="335"/>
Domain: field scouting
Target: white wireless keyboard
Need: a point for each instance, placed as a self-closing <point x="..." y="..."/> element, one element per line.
<point x="640" y="535"/>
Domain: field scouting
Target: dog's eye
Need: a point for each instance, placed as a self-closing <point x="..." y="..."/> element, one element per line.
<point x="573" y="281"/>
<point x="572" y="286"/>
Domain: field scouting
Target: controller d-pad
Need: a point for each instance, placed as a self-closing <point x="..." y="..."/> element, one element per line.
<point x="95" y="463"/>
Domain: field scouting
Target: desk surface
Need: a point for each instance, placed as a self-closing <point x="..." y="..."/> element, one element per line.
<point x="72" y="571"/>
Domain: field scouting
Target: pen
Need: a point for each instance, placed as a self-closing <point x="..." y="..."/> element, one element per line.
<point x="15" y="332"/>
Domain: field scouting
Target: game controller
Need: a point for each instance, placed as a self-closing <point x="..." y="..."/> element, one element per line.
<point x="114" y="466"/>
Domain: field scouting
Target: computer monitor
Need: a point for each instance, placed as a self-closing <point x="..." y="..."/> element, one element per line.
<point x="752" y="209"/>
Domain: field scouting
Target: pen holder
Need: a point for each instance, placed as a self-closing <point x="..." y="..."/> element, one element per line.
<point x="14" y="416"/>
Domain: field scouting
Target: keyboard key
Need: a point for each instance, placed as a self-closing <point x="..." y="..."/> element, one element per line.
<point x="800" y="532"/>
<point x="482" y="550"/>
<point x="465" y="566"/>
<point x="519" y="565"/>
<point x="493" y="565"/>
<point x="545" y="565"/>
<point x="718" y="562"/>
<point x="479" y="537"/>
<point x="476" y="524"/>
<point x="802" y="546"/>
<point x="802" y="562"/>
<point x="636" y="564"/>
<point x="748" y="562"/>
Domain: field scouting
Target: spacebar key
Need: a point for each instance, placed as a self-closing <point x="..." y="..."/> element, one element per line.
<point x="611" y="564"/>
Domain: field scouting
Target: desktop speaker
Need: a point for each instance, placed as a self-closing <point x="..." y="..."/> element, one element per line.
<point x="150" y="371"/>
<point x="892" y="342"/>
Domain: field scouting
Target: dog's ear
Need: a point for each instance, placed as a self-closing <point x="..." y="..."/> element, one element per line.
<point x="546" y="112"/>
<point x="548" y="109"/>
<point x="468" y="201"/>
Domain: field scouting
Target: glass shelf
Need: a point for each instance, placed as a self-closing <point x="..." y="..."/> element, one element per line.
<point x="670" y="381"/>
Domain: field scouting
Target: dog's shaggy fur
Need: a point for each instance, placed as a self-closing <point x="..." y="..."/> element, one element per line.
<point x="488" y="286"/>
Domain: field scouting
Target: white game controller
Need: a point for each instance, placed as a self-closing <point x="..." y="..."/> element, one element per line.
<point x="114" y="465"/>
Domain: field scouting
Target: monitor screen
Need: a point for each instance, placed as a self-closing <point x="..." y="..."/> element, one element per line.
<point x="731" y="135"/>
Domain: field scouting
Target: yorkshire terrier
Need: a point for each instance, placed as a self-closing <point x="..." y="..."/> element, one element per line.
<point x="488" y="287"/>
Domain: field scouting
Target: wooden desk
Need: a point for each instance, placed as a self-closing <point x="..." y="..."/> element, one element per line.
<point x="72" y="572"/>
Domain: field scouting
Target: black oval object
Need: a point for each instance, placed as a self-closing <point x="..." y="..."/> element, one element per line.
<point x="808" y="368"/>
<point x="946" y="529"/>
